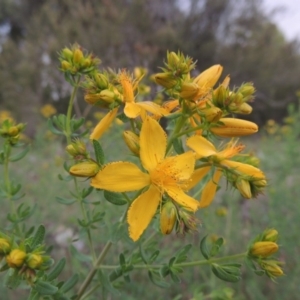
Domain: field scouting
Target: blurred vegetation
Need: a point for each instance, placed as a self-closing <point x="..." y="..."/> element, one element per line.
<point x="126" y="33"/>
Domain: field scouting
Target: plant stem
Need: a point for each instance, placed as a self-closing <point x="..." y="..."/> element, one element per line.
<point x="93" y="271"/>
<point x="185" y="264"/>
<point x="68" y="132"/>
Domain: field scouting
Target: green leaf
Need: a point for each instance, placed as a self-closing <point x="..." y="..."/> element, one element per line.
<point x="177" y="144"/>
<point x="53" y="129"/>
<point x="157" y="280"/>
<point x="203" y="248"/>
<point x="86" y="192"/>
<point x="12" y="279"/>
<point x="65" y="201"/>
<point x="45" y="288"/>
<point x="99" y="153"/>
<point x="65" y="178"/>
<point x="106" y="284"/>
<point x="38" y="237"/>
<point x="80" y="256"/>
<point x="229" y="274"/>
<point x="57" y="269"/>
<point x="69" y="284"/>
<point x="77" y="123"/>
<point x="114" y="198"/>
<point x="19" y="155"/>
<point x="153" y="256"/>
<point x="216" y="246"/>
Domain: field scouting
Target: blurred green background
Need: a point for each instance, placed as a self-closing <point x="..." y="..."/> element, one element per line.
<point x="126" y="33"/>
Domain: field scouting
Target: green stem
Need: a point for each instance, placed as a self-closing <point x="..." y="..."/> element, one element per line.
<point x="93" y="271"/>
<point x="185" y="264"/>
<point x="178" y="126"/>
<point x="8" y="186"/>
<point x="70" y="108"/>
<point x="97" y="265"/>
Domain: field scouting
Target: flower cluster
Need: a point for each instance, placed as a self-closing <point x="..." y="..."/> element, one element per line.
<point x="261" y="252"/>
<point x="172" y="166"/>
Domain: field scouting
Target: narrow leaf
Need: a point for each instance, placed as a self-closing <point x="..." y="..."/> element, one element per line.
<point x="99" y="153"/>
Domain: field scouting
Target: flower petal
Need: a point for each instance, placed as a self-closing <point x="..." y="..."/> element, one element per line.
<point x="181" y="166"/>
<point x="197" y="175"/>
<point x="132" y="110"/>
<point x="153" y="144"/>
<point x="153" y="108"/>
<point x="201" y="146"/>
<point x="142" y="211"/>
<point x="244" y="168"/>
<point x="103" y="125"/>
<point x="181" y="198"/>
<point x="120" y="177"/>
<point x="209" y="190"/>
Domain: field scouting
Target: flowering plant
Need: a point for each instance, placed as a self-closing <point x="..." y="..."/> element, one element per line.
<point x="174" y="174"/>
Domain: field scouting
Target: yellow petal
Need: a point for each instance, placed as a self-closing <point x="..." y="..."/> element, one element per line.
<point x="142" y="211"/>
<point x="244" y="168"/>
<point x="170" y="105"/>
<point x="181" y="166"/>
<point x="181" y="197"/>
<point x="153" y="144"/>
<point x="103" y="124"/>
<point x="153" y="108"/>
<point x="197" y="175"/>
<point x="120" y="177"/>
<point x="132" y="110"/>
<point x="209" y="190"/>
<point x="201" y="146"/>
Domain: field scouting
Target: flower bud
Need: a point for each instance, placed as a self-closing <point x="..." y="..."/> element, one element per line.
<point x="16" y="258"/>
<point x="4" y="246"/>
<point x="132" y="141"/>
<point x="165" y="79"/>
<point x="102" y="81"/>
<point x="77" y="56"/>
<point x="263" y="249"/>
<point x="270" y="235"/>
<point x="212" y="114"/>
<point x="231" y="127"/>
<point x="84" y="169"/>
<point x="209" y="77"/>
<point x="168" y="218"/>
<point x="244" y="109"/>
<point x="244" y="188"/>
<point x="67" y="53"/>
<point x="66" y="66"/>
<point x="189" y="90"/>
<point x="272" y="268"/>
<point x="34" y="261"/>
<point x="173" y="59"/>
<point x="77" y="149"/>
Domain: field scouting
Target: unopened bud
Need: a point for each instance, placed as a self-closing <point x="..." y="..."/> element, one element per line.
<point x="231" y="127"/>
<point x="209" y="77"/>
<point x="263" y="249"/>
<point x="270" y="235"/>
<point x="67" y="53"/>
<point x="16" y="258"/>
<point x="244" y="188"/>
<point x="84" y="169"/>
<point x="189" y="90"/>
<point x="173" y="59"/>
<point x="78" y="56"/>
<point x="165" y="79"/>
<point x="272" y="268"/>
<point x="34" y="261"/>
<point x="4" y="246"/>
<point x="132" y="141"/>
<point x="167" y="217"/>
<point x="66" y="66"/>
<point x="212" y="114"/>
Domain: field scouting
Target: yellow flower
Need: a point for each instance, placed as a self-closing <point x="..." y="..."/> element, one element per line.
<point x="48" y="110"/>
<point x="34" y="261"/>
<point x="165" y="175"/>
<point x="134" y="109"/>
<point x="205" y="149"/>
